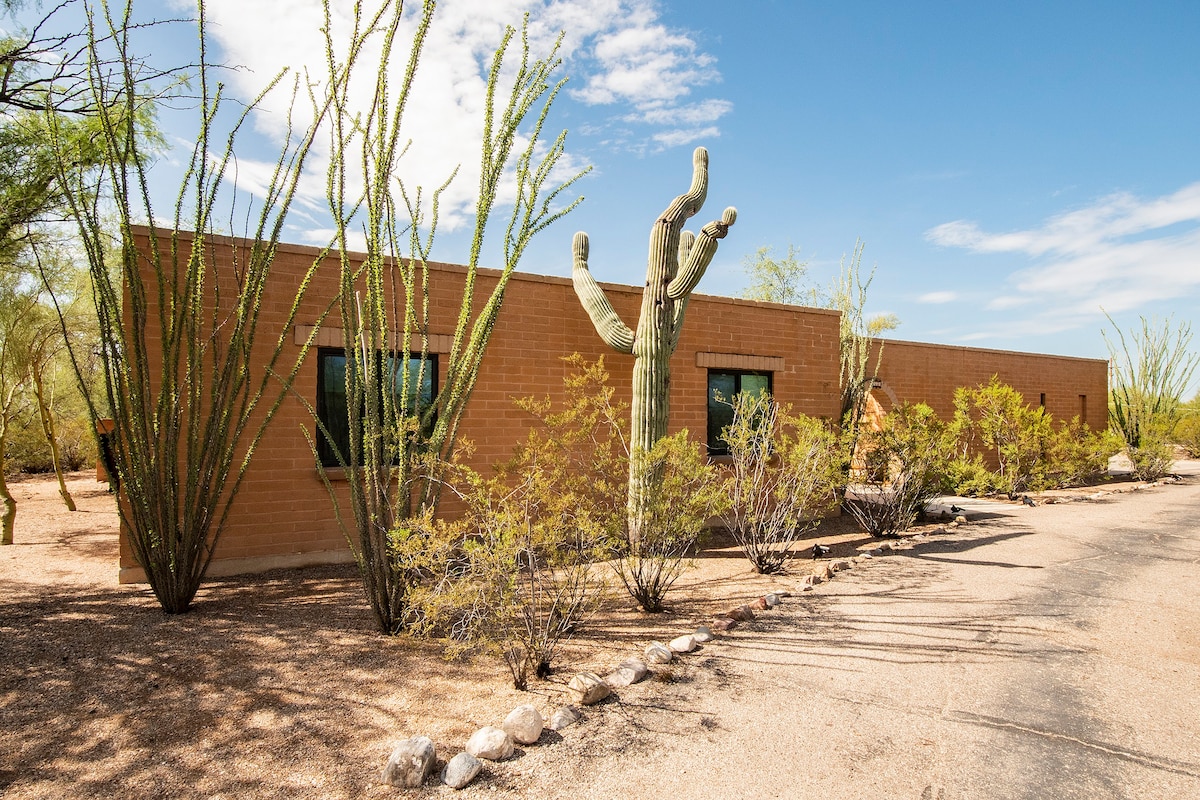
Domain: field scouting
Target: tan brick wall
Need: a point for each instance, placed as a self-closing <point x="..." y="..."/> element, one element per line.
<point x="283" y="515"/>
<point x="929" y="373"/>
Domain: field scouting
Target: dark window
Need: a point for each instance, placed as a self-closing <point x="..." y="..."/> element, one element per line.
<point x="723" y="386"/>
<point x="331" y="396"/>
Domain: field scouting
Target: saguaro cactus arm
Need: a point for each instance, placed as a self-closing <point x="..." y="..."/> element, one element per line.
<point x="699" y="254"/>
<point x="615" y="333"/>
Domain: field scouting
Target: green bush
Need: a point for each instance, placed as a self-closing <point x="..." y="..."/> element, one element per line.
<point x="994" y="419"/>
<point x="517" y="574"/>
<point x="1187" y="435"/>
<point x="1078" y="456"/>
<point x="904" y="466"/>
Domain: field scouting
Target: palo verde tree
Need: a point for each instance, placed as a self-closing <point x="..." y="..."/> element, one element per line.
<point x="677" y="262"/>
<point x="189" y="402"/>
<point x="400" y="441"/>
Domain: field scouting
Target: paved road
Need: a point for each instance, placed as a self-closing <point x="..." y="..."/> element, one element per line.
<point x="1049" y="652"/>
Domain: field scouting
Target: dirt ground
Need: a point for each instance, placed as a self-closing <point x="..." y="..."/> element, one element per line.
<point x="275" y="685"/>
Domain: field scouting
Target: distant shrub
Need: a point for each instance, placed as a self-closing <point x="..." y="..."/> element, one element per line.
<point x="904" y="466"/>
<point x="1078" y="456"/>
<point x="1187" y="435"/>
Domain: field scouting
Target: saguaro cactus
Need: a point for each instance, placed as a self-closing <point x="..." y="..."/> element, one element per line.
<point x="677" y="261"/>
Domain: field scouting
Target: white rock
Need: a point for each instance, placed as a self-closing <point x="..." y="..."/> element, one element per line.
<point x="461" y="770"/>
<point x="588" y="688"/>
<point x="866" y="556"/>
<point x="491" y="743"/>
<point x="703" y="634"/>
<point x="410" y="763"/>
<point x="564" y="717"/>
<point x="772" y="599"/>
<point x="839" y="566"/>
<point x="682" y="644"/>
<point x="628" y="672"/>
<point x="524" y="724"/>
<point x="658" y="653"/>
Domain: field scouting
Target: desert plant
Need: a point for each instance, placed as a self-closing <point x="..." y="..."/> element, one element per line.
<point x="903" y="466"/>
<point x="994" y="418"/>
<point x="178" y="323"/>
<point x="397" y="447"/>
<point x="676" y="264"/>
<point x="1078" y="456"/>
<point x="1187" y="435"/>
<point x="686" y="494"/>
<point x="522" y="576"/>
<point x="1148" y="372"/>
<point x="783" y="469"/>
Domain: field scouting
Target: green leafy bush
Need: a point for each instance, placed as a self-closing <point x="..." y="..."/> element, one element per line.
<point x="1187" y="435"/>
<point x="1078" y="456"/>
<point x="994" y="419"/>
<point x="518" y="575"/>
<point x="904" y="465"/>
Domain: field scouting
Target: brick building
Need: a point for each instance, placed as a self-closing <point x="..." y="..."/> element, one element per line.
<point x="283" y="515"/>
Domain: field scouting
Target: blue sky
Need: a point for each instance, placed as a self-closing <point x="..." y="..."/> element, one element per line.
<point x="1013" y="168"/>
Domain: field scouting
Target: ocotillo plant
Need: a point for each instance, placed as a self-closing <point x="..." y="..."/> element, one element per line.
<point x="677" y="261"/>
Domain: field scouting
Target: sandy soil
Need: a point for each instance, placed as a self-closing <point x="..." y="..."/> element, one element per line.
<point x="275" y="685"/>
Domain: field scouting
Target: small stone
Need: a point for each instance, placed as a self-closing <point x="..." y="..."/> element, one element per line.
<point x="760" y="604"/>
<point x="628" y="672"/>
<point x="840" y="566"/>
<point x="887" y="547"/>
<point x="808" y="588"/>
<point x="491" y="743"/>
<point x="524" y="724"/>
<point x="703" y="634"/>
<point x="564" y="717"/>
<point x="461" y="770"/>
<point x="682" y="644"/>
<point x="741" y="614"/>
<point x="866" y="556"/>
<point x="724" y="624"/>
<point x="960" y="519"/>
<point x="410" y="763"/>
<point x="951" y="524"/>
<point x="658" y="653"/>
<point x="588" y="688"/>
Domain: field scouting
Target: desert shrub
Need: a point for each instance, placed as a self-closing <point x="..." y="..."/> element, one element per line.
<point x="783" y="471"/>
<point x="968" y="476"/>
<point x="1153" y="458"/>
<point x="1078" y="456"/>
<point x="993" y="418"/>
<point x="1148" y="374"/>
<point x="904" y="466"/>
<point x="688" y="493"/>
<point x="1187" y="435"/>
<point x="517" y="574"/>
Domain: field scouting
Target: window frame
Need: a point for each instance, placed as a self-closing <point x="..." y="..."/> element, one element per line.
<point x="325" y="452"/>
<point x="715" y="447"/>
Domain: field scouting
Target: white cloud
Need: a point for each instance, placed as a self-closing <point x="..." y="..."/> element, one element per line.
<point x="938" y="298"/>
<point x="617" y="53"/>
<point x="1120" y="253"/>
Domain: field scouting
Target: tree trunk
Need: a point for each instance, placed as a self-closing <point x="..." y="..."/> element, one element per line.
<point x="8" y="519"/>
<point x="47" y="417"/>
